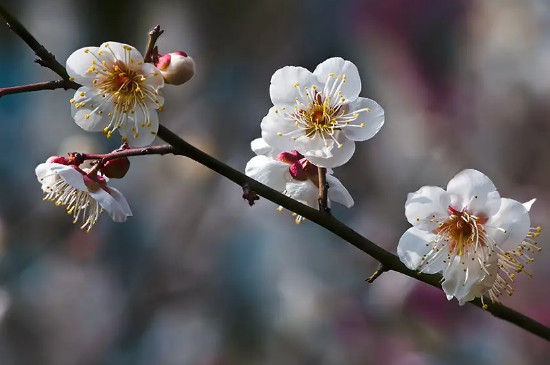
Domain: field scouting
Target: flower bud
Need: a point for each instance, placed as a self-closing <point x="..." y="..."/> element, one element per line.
<point x="116" y="168"/>
<point x="59" y="159"/>
<point x="176" y="67"/>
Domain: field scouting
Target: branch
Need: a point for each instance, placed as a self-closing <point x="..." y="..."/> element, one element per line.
<point x="46" y="58"/>
<point x="154" y="34"/>
<point x="386" y="259"/>
<point x="47" y="85"/>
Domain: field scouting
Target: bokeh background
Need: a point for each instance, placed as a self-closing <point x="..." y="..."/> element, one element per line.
<point x="198" y="277"/>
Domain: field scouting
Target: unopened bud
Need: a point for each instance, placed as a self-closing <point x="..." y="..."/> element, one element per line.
<point x="116" y="168"/>
<point x="176" y="67"/>
<point x="59" y="159"/>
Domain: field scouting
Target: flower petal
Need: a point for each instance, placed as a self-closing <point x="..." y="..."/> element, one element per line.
<point x="154" y="78"/>
<point x="303" y="191"/>
<point x="369" y="121"/>
<point x="463" y="279"/>
<point x="268" y="171"/>
<point x="426" y="207"/>
<point x="89" y="109"/>
<point x="338" y="67"/>
<point x="277" y="130"/>
<point x="123" y="52"/>
<point x="529" y="204"/>
<point x="79" y="62"/>
<point x="288" y="84"/>
<point x="260" y="147"/>
<point x="510" y="225"/>
<point x="413" y="245"/>
<point x="114" y="203"/>
<point x="475" y="192"/>
<point x="141" y="127"/>
<point x="72" y="177"/>
<point x="334" y="157"/>
<point x="338" y="193"/>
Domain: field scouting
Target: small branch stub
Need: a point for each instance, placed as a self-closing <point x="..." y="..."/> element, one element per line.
<point x="151" y="51"/>
<point x="379" y="271"/>
<point x="323" y="190"/>
<point x="250" y="195"/>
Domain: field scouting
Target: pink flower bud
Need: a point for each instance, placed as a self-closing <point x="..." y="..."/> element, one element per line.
<point x="59" y="159"/>
<point x="176" y="67"/>
<point x="116" y="168"/>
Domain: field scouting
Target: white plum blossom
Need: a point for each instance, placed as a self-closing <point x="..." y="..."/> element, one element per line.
<point x="293" y="175"/>
<point x="119" y="92"/>
<point x="84" y="194"/>
<point x="477" y="240"/>
<point x="320" y="114"/>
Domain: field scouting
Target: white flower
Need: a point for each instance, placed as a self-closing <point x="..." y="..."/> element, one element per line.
<point x="320" y="114"/>
<point x="84" y="195"/>
<point x="176" y="67"/>
<point x="293" y="175"/>
<point x="119" y="92"/>
<point x="475" y="238"/>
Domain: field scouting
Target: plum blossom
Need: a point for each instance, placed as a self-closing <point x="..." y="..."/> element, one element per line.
<point x="320" y="114"/>
<point x="293" y="175"/>
<point x="84" y="193"/>
<point x="119" y="92"/>
<point x="476" y="239"/>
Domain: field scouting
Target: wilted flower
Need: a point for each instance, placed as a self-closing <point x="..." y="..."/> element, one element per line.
<point x="293" y="175"/>
<point x="475" y="238"/>
<point x="84" y="194"/>
<point x="119" y="92"/>
<point x="320" y="114"/>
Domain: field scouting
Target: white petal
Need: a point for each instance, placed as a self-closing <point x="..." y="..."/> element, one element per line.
<point x="72" y="177"/>
<point x="463" y="279"/>
<point x="304" y="191"/>
<point x="288" y="83"/>
<point x="114" y="203"/>
<point x="278" y="130"/>
<point x="154" y="78"/>
<point x="413" y="245"/>
<point x="482" y="286"/>
<point x="146" y="133"/>
<point x="87" y="117"/>
<point x="372" y="120"/>
<point x="260" y="147"/>
<point x="338" y="193"/>
<point x="339" y="67"/>
<point x="46" y="174"/>
<point x="529" y="204"/>
<point x="513" y="218"/>
<point x="79" y="62"/>
<point x="123" y="52"/>
<point x="475" y="192"/>
<point x="426" y="206"/>
<point x="268" y="171"/>
<point x="339" y="155"/>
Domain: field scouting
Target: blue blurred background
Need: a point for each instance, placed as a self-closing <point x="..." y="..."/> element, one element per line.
<point x="198" y="277"/>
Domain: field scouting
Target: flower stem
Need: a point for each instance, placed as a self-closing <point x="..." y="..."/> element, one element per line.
<point x="103" y="158"/>
<point x="323" y="190"/>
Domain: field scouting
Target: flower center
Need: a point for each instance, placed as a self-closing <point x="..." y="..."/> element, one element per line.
<point x="124" y="84"/>
<point x="463" y="231"/>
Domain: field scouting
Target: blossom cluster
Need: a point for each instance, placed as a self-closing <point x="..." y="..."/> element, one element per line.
<point x="314" y="122"/>
<point x="475" y="239"/>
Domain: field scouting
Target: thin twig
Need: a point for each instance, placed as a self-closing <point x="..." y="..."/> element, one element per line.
<point x="103" y="158"/>
<point x="154" y="34"/>
<point x="47" y="85"/>
<point x="379" y="271"/>
<point x="323" y="190"/>
<point x="387" y="259"/>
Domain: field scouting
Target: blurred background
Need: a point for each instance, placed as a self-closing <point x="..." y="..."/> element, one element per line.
<point x="198" y="277"/>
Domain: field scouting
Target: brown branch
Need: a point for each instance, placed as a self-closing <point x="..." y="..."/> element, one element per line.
<point x="103" y="158"/>
<point x="154" y="34"/>
<point x="47" y="85"/>
<point x="323" y="190"/>
<point x="387" y="259"/>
